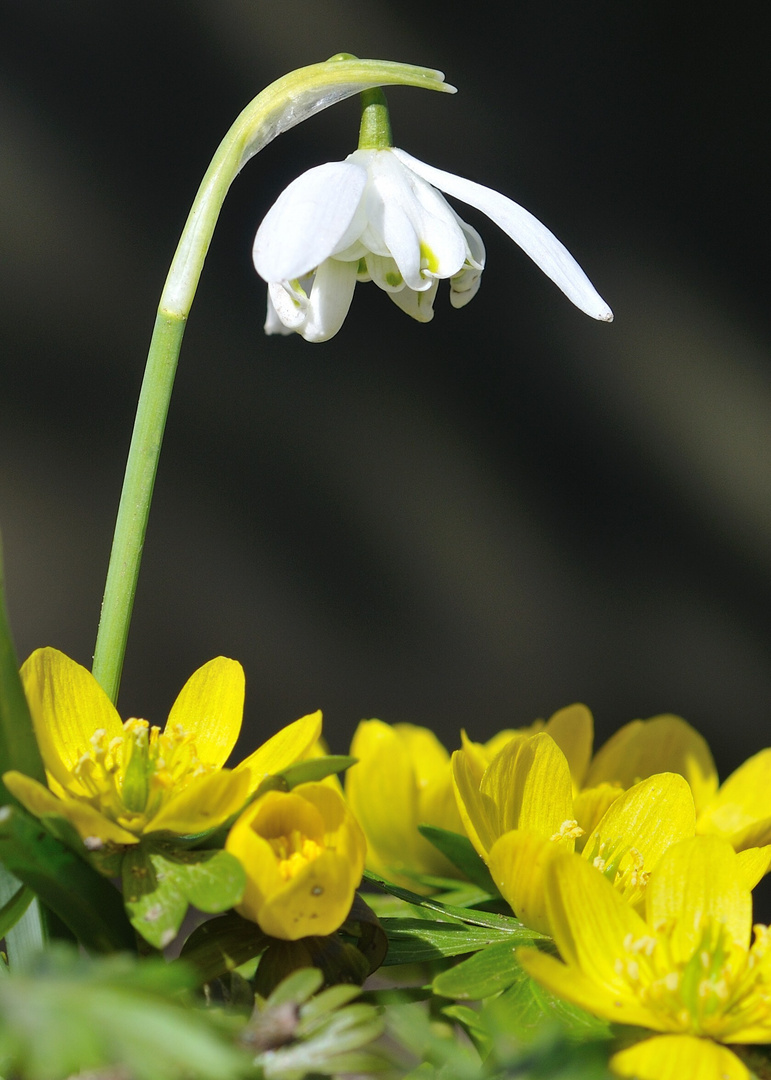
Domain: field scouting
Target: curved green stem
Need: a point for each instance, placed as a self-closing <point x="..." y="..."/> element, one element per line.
<point x="285" y="103"/>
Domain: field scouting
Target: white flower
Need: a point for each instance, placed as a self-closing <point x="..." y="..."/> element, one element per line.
<point x="378" y="216"/>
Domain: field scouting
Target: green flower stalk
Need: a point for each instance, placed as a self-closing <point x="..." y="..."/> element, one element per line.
<point x="282" y="105"/>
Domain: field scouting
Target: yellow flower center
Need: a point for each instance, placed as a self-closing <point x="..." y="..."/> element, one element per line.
<point x="623" y="866"/>
<point x="127" y="778"/>
<point x="720" y="989"/>
<point x="294" y="852"/>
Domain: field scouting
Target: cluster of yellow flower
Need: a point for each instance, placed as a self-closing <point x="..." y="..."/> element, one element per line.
<point x="634" y="860"/>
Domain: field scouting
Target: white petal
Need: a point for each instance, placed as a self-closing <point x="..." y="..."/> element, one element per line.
<point x="315" y="216"/>
<point x="420" y="305"/>
<point x="526" y="230"/>
<point x="384" y="272"/>
<point x="289" y="301"/>
<point x="329" y="300"/>
<point x="410" y="221"/>
<point x="273" y="323"/>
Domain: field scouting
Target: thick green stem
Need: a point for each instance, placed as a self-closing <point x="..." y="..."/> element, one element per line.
<point x="281" y="106"/>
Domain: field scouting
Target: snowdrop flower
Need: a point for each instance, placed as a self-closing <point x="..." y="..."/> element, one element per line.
<point x="380" y="216"/>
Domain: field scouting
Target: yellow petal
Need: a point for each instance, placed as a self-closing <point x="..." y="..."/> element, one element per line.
<point x="590" y="804"/>
<point x="572" y="729"/>
<point x="754" y="863"/>
<point x="258" y="859"/>
<point x="675" y="1057"/>
<point x="88" y="822"/>
<point x="662" y="744"/>
<point x="477" y="810"/>
<point x="207" y="801"/>
<point x="590" y="921"/>
<point x="68" y="705"/>
<point x="699" y="879"/>
<point x="293" y="743"/>
<point x="210" y="706"/>
<point x="517" y="862"/>
<point x="430" y="759"/>
<point x="743" y="804"/>
<point x="529" y="784"/>
<point x="571" y="984"/>
<point x="401" y="780"/>
<point x="494" y="745"/>
<point x="316" y="901"/>
<point x="646" y="820"/>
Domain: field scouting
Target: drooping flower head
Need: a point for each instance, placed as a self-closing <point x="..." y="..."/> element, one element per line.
<point x="380" y="216"/>
<point x="688" y="969"/>
<point x="116" y="782"/>
<point x="303" y="853"/>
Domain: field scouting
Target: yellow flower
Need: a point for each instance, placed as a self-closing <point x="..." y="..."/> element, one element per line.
<point x="116" y="781"/>
<point x="639" y="749"/>
<point x="520" y="816"/>
<point x="303" y="853"/>
<point x="740" y="811"/>
<point x="688" y="970"/>
<point x="402" y="779"/>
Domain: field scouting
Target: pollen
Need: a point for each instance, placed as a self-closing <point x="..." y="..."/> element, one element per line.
<point x="294" y="852"/>
<point x="568" y="830"/>
<point x="128" y="778"/>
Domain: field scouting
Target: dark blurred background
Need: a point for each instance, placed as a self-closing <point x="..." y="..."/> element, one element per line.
<point x="465" y="524"/>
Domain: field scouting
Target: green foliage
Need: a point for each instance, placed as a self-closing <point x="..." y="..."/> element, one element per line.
<point x="160" y="881"/>
<point x="71" y="1013"/>
<point x="461" y="853"/>
<point x="17" y="903"/>
<point x="305" y="772"/>
<point x="296" y="1033"/>
<point x="427" y="929"/>
<point x="85" y="901"/>
<point x="221" y="945"/>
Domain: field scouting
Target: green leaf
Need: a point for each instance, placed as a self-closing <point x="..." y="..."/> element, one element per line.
<point x="85" y="901"/>
<point x="461" y="853"/>
<point x="526" y="1006"/>
<point x="71" y="1014"/>
<point x="465" y="915"/>
<point x="371" y="939"/>
<point x="486" y="973"/>
<point x="414" y="941"/>
<point x="18" y="746"/>
<point x="13" y="909"/>
<point x="315" y="769"/>
<point x="222" y="945"/>
<point x="160" y="881"/>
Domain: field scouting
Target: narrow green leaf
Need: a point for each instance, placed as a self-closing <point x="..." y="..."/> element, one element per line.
<point x="483" y="974"/>
<point x="314" y="769"/>
<point x="461" y="853"/>
<point x="222" y="945"/>
<point x="465" y="915"/>
<point x="160" y="882"/>
<point x="85" y="901"/>
<point x="414" y="941"/>
<point x="18" y="747"/>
